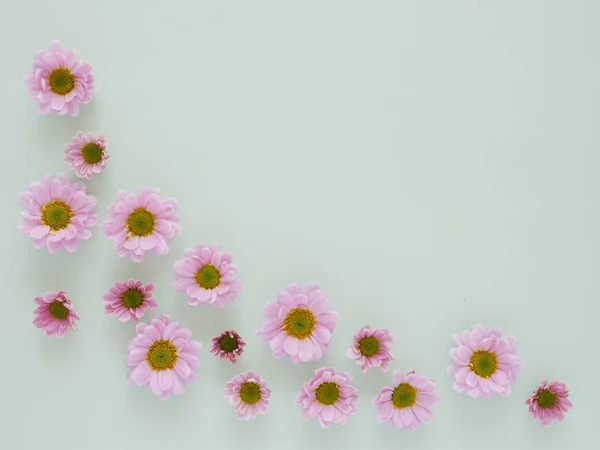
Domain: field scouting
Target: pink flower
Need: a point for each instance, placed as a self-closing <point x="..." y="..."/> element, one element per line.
<point x="55" y="314"/>
<point x="56" y="213"/>
<point x="59" y="82"/>
<point x="329" y="396"/>
<point x="549" y="402"/>
<point x="228" y="345"/>
<point x="484" y="362"/>
<point x="299" y="324"/>
<point x="207" y="275"/>
<point x="141" y="222"/>
<point x="248" y="394"/>
<point x="86" y="154"/>
<point x="163" y="357"/>
<point x="129" y="299"/>
<point x="408" y="403"/>
<point x="372" y="348"/>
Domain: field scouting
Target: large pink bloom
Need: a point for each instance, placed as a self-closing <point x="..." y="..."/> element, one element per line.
<point x="207" y="275"/>
<point x="328" y="396"/>
<point x="228" y="345"/>
<point x="299" y="324"/>
<point x="484" y="362"/>
<point x="129" y="299"/>
<point x="371" y="348"/>
<point x="408" y="403"/>
<point x="56" y="213"/>
<point x="55" y="314"/>
<point x="59" y="82"/>
<point x="86" y="154"/>
<point x="163" y="357"/>
<point x="248" y="394"/>
<point x="549" y="402"/>
<point x="141" y="222"/>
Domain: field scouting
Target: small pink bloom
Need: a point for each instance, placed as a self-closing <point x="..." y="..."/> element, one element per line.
<point x="328" y="396"/>
<point x="86" y="154"/>
<point x="59" y="82"/>
<point x="56" y="213"/>
<point x="207" y="275"/>
<point x="372" y="348"/>
<point x="484" y="362"/>
<point x="299" y="324"/>
<point x="228" y="345"/>
<point x="129" y="299"/>
<point x="55" y="314"/>
<point x="141" y="222"/>
<point x="549" y="402"/>
<point x="162" y="357"/>
<point x="248" y="394"/>
<point x="408" y="403"/>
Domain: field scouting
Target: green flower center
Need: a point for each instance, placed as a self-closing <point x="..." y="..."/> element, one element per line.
<point x="140" y="222"/>
<point x="404" y="396"/>
<point x="250" y="392"/>
<point x="132" y="298"/>
<point x="162" y="355"/>
<point x="327" y="393"/>
<point x="546" y="398"/>
<point x="61" y="81"/>
<point x="483" y="363"/>
<point x="58" y="310"/>
<point x="228" y="343"/>
<point x="208" y="277"/>
<point x="300" y="323"/>
<point x="57" y="215"/>
<point x="368" y="346"/>
<point x="92" y="153"/>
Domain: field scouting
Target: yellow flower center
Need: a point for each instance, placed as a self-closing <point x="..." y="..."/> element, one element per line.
<point x="483" y="363"/>
<point x="61" y="81"/>
<point x="250" y="392"/>
<point x="300" y="323"/>
<point x="57" y="215"/>
<point x="162" y="355"/>
<point x="141" y="222"/>
<point x="404" y="395"/>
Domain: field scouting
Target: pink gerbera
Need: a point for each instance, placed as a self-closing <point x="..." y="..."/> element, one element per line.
<point x="163" y="357"/>
<point x="129" y="299"/>
<point x="86" y="154"/>
<point x="372" y="348"/>
<point x="408" y="403"/>
<point x="248" y="394"/>
<point x="59" y="82"/>
<point x="141" y="222"/>
<point x="484" y="362"/>
<point x="57" y="213"/>
<point x="329" y="396"/>
<point x="207" y="275"/>
<point x="228" y="345"/>
<point x="299" y="324"/>
<point x="549" y="402"/>
<point x="55" y="314"/>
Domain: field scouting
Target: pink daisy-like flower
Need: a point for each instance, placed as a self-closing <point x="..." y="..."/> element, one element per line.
<point x="56" y="213"/>
<point x="484" y="362"/>
<point x="129" y="299"/>
<point x="55" y="314"/>
<point x="329" y="396"/>
<point x="59" y="82"/>
<point x="408" y="403"/>
<point x="163" y="357"/>
<point x="372" y="348"/>
<point x="141" y="222"/>
<point x="228" y="345"/>
<point x="549" y="402"/>
<point x="248" y="394"/>
<point x="207" y="275"/>
<point x="86" y="154"/>
<point x="299" y="324"/>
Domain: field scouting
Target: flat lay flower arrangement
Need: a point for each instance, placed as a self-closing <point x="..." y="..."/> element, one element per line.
<point x="298" y="324"/>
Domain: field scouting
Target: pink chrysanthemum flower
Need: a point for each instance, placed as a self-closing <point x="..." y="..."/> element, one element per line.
<point x="228" y="345"/>
<point x="329" y="396"/>
<point x="408" y="403"/>
<point x="484" y="362"/>
<point x="248" y="394"/>
<point x="372" y="348"/>
<point x="549" y="402"/>
<point x="55" y="314"/>
<point x="57" y="213"/>
<point x="129" y="299"/>
<point x="86" y="154"/>
<point x="59" y="82"/>
<point x="163" y="357"/>
<point x="299" y="324"/>
<point x="207" y="275"/>
<point x="141" y="222"/>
